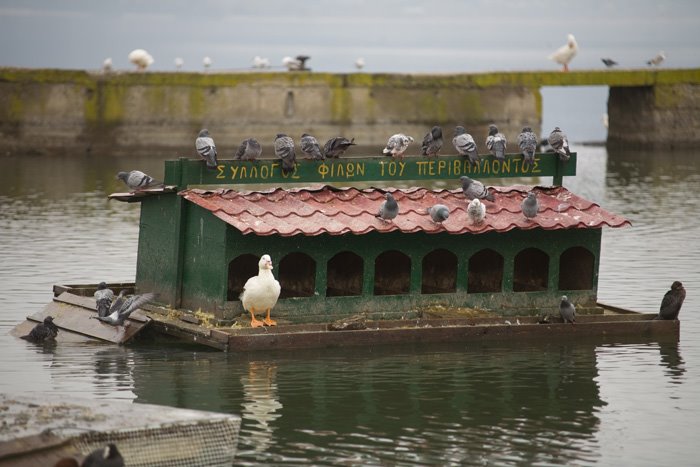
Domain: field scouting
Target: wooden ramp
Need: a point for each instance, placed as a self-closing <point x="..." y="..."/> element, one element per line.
<point x="73" y="315"/>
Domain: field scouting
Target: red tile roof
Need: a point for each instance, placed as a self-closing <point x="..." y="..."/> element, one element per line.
<point x="338" y="211"/>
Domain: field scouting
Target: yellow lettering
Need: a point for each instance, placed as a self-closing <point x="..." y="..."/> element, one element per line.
<point x="273" y="166"/>
<point x="254" y="171"/>
<point x="536" y="166"/>
<point x="360" y="169"/>
<point x="402" y="165"/>
<point x="457" y="167"/>
<point x="392" y="168"/>
<point x="295" y="175"/>
<point x="381" y="168"/>
<point x="350" y="170"/>
<point x="244" y="172"/>
<point x="220" y="174"/>
<point x="505" y="166"/>
<point x="431" y="167"/>
<point x="323" y="170"/>
<point x="441" y="166"/>
<point x="234" y="171"/>
<point x="339" y="171"/>
<point x="486" y="167"/>
<point x="421" y="167"/>
<point x="264" y="171"/>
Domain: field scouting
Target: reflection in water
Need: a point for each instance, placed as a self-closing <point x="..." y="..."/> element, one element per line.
<point x="260" y="403"/>
<point x="672" y="360"/>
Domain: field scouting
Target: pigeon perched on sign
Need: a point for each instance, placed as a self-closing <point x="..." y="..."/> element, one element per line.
<point x="496" y="143"/>
<point x="42" y="332"/>
<point x="397" y="145"/>
<point x="609" y="62"/>
<point x="389" y="208"/>
<point x="465" y="145"/>
<point x="137" y="180"/>
<point x="206" y="148"/>
<point x="564" y="54"/>
<point x="309" y="146"/>
<point x="567" y="310"/>
<point x="336" y="147"/>
<point x="249" y="150"/>
<point x="108" y="456"/>
<point x="432" y="142"/>
<point x="475" y="189"/>
<point x="439" y="213"/>
<point x="476" y="211"/>
<point x="103" y="299"/>
<point x="560" y="143"/>
<point x="123" y="306"/>
<point x="658" y="58"/>
<point x="672" y="302"/>
<point x="530" y="205"/>
<point x="284" y="149"/>
<point x="527" y="142"/>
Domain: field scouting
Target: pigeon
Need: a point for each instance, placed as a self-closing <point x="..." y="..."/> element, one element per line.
<point x="439" y="213"/>
<point x="336" y="147"/>
<point x="137" y="180"/>
<point x="476" y="211"/>
<point x="658" y="58"/>
<point x="309" y="146"/>
<point x="284" y="149"/>
<point x="108" y="456"/>
<point x="475" y="189"/>
<point x="496" y="143"/>
<point x="565" y="53"/>
<point x="609" y="62"/>
<point x="206" y="148"/>
<point x="527" y="142"/>
<point x="103" y="299"/>
<point x="397" y="145"/>
<point x="432" y="142"/>
<point x="567" y="310"/>
<point x="465" y="145"/>
<point x="389" y="208"/>
<point x="42" y="332"/>
<point x="530" y="205"/>
<point x="560" y="143"/>
<point x="141" y="59"/>
<point x="249" y="150"/>
<point x="261" y="292"/>
<point x="123" y="306"/>
<point x="672" y="302"/>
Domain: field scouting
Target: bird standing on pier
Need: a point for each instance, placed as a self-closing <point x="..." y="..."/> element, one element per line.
<point x="564" y="54"/>
<point x="609" y="62"/>
<point x="397" y="145"/>
<point x="206" y="148"/>
<point x="439" y="213"/>
<point x="103" y="299"/>
<point x="389" y="209"/>
<point x="476" y="211"/>
<point x="658" y="58"/>
<point x="137" y="180"/>
<point x="475" y="189"/>
<point x="530" y="206"/>
<point x="432" y="142"/>
<point x="108" y="456"/>
<point x="560" y="143"/>
<point x="284" y="150"/>
<point x="260" y="293"/>
<point x="672" y="302"/>
<point x="496" y="143"/>
<point x="527" y="142"/>
<point x="141" y="59"/>
<point x="567" y="310"/>
<point x="309" y="146"/>
<point x="42" y="332"/>
<point x="249" y="150"/>
<point x="124" y="306"/>
<point x="465" y="145"/>
<point x="336" y="147"/>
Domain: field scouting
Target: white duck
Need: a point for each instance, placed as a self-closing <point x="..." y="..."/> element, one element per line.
<point x="261" y="293"/>
<point x="565" y="53"/>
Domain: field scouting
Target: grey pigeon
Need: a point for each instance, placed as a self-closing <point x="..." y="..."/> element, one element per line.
<point x="476" y="211"/>
<point x="123" y="306"/>
<point x="42" y="332"/>
<point x="527" y="142"/>
<point x="567" y="310"/>
<point x="560" y="143"/>
<point x="309" y="146"/>
<point x="530" y="205"/>
<point x="658" y="58"/>
<point x="439" y="213"/>
<point x="206" y="148"/>
<point x="336" y="147"/>
<point x="496" y="143"/>
<point x="284" y="149"/>
<point x="609" y="62"/>
<point x="137" y="180"/>
<point x="103" y="299"/>
<point x="432" y="142"/>
<point x="672" y="302"/>
<point x="465" y="145"/>
<point x="249" y="150"/>
<point x="389" y="208"/>
<point x="397" y="145"/>
<point x="108" y="456"/>
<point x="475" y="189"/>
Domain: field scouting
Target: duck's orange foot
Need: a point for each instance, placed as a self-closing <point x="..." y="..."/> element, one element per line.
<point x="255" y="323"/>
<point x="269" y="322"/>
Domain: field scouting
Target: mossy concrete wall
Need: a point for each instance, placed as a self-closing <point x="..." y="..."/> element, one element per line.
<point x="68" y="111"/>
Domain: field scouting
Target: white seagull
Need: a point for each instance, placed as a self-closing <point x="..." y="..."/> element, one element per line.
<point x="141" y="59"/>
<point x="565" y="53"/>
<point x="178" y="63"/>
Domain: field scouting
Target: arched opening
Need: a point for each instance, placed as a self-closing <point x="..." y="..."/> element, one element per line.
<point x="439" y="272"/>
<point x="297" y="275"/>
<point x="576" y="269"/>
<point x="485" y="272"/>
<point x="344" y="275"/>
<point x="531" y="270"/>
<point x="392" y="273"/>
<point x="240" y="269"/>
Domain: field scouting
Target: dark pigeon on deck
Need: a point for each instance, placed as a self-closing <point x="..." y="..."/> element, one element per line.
<point x="389" y="208"/>
<point x="206" y="148"/>
<point x="567" y="310"/>
<point x="530" y="205"/>
<point x="108" y="456"/>
<point x="432" y="142"/>
<point x="672" y="302"/>
<point x="124" y="306"/>
<point x="137" y="180"/>
<point x="284" y="150"/>
<point x="249" y="150"/>
<point x="336" y="147"/>
<point x="42" y="332"/>
<point x="439" y="213"/>
<point x="465" y="145"/>
<point x="103" y="299"/>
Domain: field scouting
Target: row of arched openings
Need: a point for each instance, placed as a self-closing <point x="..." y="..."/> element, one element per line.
<point x="392" y="273"/>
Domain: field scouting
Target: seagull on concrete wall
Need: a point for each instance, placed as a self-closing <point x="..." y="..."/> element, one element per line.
<point x="178" y="63"/>
<point x="609" y="62"/>
<point x="658" y="58"/>
<point x="566" y="52"/>
<point x="141" y="59"/>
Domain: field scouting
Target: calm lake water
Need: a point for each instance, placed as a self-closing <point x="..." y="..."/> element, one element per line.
<point x="547" y="403"/>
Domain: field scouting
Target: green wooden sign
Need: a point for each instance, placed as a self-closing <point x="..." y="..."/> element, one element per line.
<point x="185" y="172"/>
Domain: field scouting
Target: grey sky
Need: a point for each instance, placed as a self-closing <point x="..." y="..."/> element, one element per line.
<point x="392" y="35"/>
